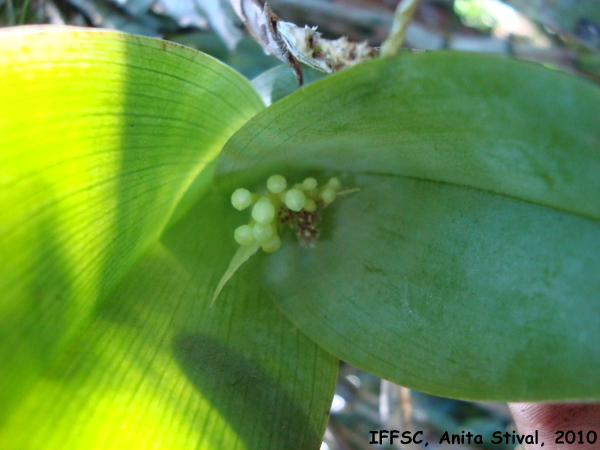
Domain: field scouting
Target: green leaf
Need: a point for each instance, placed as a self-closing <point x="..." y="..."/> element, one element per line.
<point x="467" y="264"/>
<point x="157" y="366"/>
<point x="107" y="339"/>
<point x="280" y="81"/>
<point x="102" y="133"/>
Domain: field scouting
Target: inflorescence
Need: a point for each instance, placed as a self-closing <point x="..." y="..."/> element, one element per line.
<point x="297" y="208"/>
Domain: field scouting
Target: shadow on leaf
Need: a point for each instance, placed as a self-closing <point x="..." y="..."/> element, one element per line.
<point x="215" y="368"/>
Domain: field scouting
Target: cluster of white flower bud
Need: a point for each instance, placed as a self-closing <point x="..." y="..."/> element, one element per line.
<point x="273" y="209"/>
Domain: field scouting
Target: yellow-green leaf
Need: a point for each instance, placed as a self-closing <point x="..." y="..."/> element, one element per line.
<point x="109" y="258"/>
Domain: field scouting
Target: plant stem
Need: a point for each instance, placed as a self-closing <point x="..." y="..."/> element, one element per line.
<point x="404" y="14"/>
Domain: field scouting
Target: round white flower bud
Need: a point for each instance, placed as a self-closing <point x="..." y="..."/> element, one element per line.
<point x="328" y="195"/>
<point x="309" y="184"/>
<point x="243" y="235"/>
<point x="272" y="244"/>
<point x="276" y="184"/>
<point x="295" y="199"/>
<point x="263" y="211"/>
<point x="263" y="232"/>
<point x="310" y="205"/>
<point x="241" y="199"/>
<point x="334" y="183"/>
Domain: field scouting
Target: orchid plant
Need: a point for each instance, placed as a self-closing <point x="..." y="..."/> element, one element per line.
<point x="464" y="263"/>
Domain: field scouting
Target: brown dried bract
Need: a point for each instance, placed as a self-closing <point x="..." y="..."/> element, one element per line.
<point x="305" y="223"/>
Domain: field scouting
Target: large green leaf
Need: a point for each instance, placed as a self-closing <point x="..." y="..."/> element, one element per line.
<point x="106" y="336"/>
<point x="157" y="366"/>
<point x="467" y="264"/>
